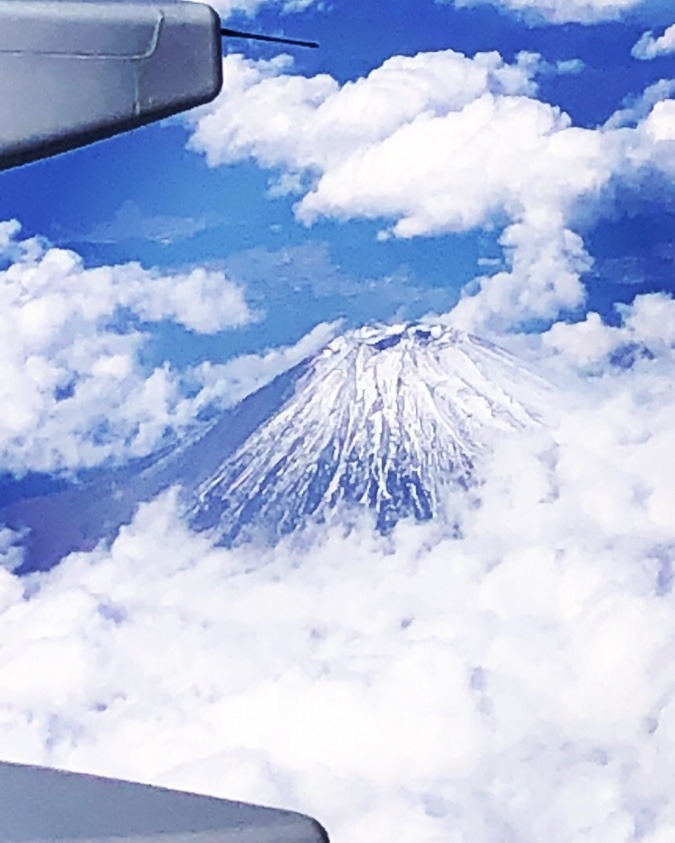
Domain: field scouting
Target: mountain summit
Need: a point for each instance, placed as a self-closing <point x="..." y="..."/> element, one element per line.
<point x="382" y="417"/>
<point x="385" y="418"/>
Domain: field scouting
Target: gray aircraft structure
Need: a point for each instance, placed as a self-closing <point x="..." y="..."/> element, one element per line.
<point x="77" y="71"/>
<point x="73" y="72"/>
<point x="39" y="805"/>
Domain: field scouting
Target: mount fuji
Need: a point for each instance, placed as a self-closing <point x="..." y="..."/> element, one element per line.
<point x="383" y="418"/>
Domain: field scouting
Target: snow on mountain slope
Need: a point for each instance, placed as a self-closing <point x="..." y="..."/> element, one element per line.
<point x="383" y="417"/>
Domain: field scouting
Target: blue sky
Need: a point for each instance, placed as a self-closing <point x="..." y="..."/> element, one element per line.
<point x="145" y="197"/>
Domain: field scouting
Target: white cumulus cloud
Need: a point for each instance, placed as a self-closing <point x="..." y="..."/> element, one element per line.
<point x="440" y="143"/>
<point x="638" y="108"/>
<point x="649" y="47"/>
<point x="298" y="123"/>
<point x="72" y="385"/>
<point x="648" y="327"/>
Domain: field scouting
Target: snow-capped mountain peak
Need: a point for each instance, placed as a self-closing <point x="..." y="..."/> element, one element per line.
<point x="383" y="416"/>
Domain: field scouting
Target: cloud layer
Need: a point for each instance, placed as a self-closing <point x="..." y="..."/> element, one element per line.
<point x="515" y="682"/>
<point x="440" y="143"/>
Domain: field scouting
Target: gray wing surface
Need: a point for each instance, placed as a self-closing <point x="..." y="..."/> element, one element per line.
<point x="75" y="72"/>
<point x="39" y="805"/>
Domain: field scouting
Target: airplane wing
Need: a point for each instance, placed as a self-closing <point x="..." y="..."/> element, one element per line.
<point x="75" y="72"/>
<point x="39" y="805"/>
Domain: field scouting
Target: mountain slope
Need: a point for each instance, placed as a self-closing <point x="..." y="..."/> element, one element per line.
<point x="383" y="417"/>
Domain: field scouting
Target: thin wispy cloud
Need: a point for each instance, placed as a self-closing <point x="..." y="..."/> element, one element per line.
<point x="562" y="11"/>
<point x="129" y="223"/>
<point x="309" y="270"/>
